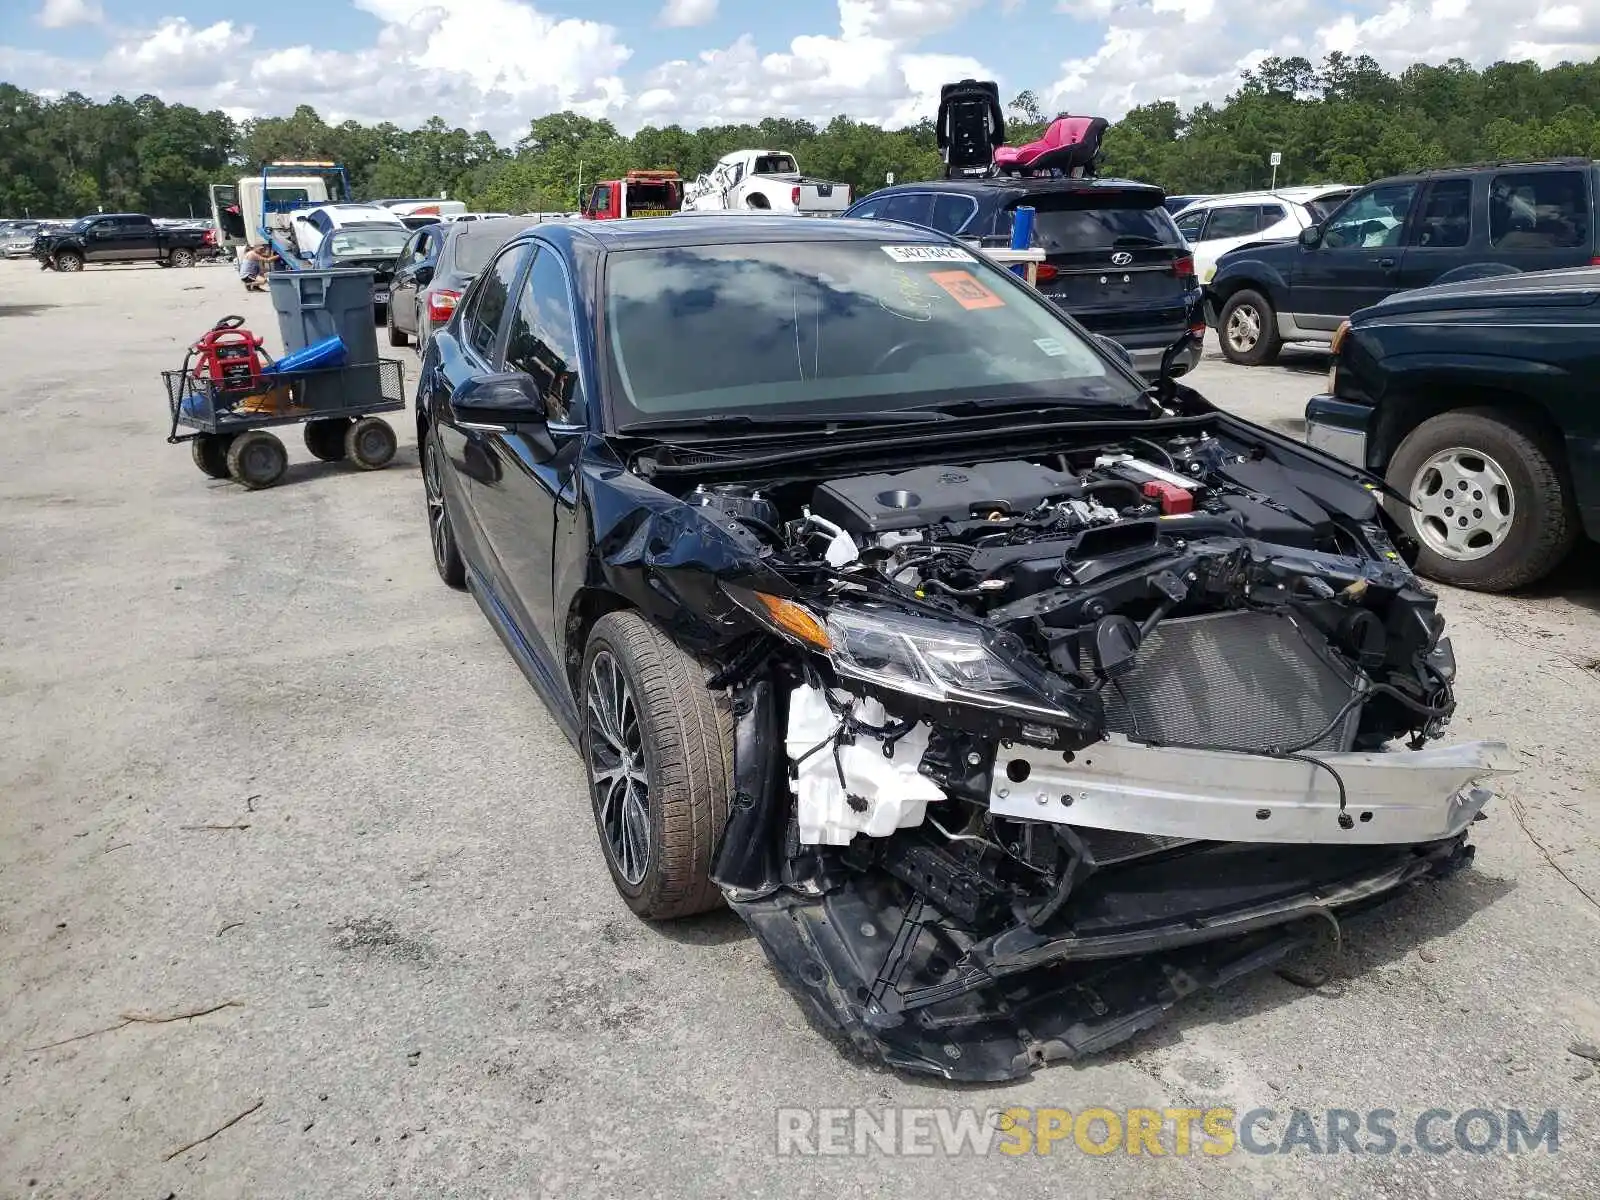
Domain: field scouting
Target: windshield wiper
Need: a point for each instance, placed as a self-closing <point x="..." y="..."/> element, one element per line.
<point x="780" y="421"/>
<point x="1017" y="403"/>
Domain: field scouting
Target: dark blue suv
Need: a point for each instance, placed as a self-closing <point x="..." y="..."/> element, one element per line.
<point x="1442" y="226"/>
<point x="1113" y="258"/>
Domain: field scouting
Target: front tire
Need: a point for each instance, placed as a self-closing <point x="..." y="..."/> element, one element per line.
<point x="657" y="744"/>
<point x="1248" y="330"/>
<point x="69" y="261"/>
<point x="396" y="337"/>
<point x="1493" y="507"/>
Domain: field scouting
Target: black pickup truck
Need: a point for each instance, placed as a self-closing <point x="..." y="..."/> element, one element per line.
<point x="119" y="237"/>
<point x="1476" y="401"/>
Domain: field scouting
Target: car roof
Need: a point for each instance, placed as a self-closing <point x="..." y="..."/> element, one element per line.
<point x="1529" y="164"/>
<point x="1297" y="194"/>
<point x="1022" y="185"/>
<point x="505" y="228"/>
<point x="638" y="233"/>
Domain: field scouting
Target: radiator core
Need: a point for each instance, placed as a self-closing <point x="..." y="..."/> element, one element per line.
<point x="1239" y="680"/>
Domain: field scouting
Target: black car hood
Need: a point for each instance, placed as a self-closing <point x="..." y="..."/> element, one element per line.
<point x="1575" y="286"/>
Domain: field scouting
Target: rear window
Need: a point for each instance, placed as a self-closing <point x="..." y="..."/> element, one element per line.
<point x="475" y="245"/>
<point x="1064" y="224"/>
<point x="775" y="164"/>
<point x="353" y="243"/>
<point x="652" y="199"/>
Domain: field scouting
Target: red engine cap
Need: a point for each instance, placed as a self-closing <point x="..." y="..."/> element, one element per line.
<point x="1171" y="497"/>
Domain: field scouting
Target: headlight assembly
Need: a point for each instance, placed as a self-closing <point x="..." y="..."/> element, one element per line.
<point x="945" y="661"/>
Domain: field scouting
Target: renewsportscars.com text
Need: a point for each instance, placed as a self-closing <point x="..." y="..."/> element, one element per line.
<point x="1179" y="1132"/>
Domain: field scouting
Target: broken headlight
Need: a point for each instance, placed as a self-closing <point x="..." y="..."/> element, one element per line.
<point x="937" y="660"/>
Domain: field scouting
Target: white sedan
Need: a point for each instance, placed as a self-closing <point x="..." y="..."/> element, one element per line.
<point x="1217" y="224"/>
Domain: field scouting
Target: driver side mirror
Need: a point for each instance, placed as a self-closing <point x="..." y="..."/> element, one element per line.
<point x="423" y="274"/>
<point x="1311" y="237"/>
<point x="498" y="403"/>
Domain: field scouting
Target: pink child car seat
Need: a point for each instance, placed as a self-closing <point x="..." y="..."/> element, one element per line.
<point x="1070" y="145"/>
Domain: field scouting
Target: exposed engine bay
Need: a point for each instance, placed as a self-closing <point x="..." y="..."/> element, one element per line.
<point x="1052" y="739"/>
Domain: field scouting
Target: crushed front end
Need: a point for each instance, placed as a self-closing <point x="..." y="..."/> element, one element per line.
<point x="1031" y="746"/>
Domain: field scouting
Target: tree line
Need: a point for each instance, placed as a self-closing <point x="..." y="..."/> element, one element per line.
<point x="1343" y="120"/>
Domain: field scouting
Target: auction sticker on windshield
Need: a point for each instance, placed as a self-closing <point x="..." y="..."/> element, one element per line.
<point x="928" y="254"/>
<point x="964" y="287"/>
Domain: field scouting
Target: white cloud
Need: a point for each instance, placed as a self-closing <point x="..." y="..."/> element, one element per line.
<point x="901" y="18"/>
<point x="1194" y="50"/>
<point x="59" y="14"/>
<point x="869" y="70"/>
<point x="494" y="64"/>
<point x="681" y="14"/>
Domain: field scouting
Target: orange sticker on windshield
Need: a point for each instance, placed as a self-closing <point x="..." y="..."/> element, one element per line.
<point x="966" y="290"/>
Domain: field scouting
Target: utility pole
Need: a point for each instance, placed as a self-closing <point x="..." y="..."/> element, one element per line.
<point x="580" y="183"/>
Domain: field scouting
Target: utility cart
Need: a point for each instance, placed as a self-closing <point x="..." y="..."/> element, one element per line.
<point x="228" y="397"/>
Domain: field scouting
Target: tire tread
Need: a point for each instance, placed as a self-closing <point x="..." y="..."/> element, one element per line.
<point x="690" y="732"/>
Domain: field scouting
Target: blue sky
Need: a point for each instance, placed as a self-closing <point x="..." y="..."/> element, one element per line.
<point x="496" y="63"/>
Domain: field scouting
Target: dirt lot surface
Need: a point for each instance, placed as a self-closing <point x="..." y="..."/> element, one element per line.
<point x="253" y="753"/>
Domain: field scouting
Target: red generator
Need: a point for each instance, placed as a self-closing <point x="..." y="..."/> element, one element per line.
<point x="229" y="356"/>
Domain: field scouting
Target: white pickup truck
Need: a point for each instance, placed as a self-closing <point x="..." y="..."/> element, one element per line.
<point x="766" y="181"/>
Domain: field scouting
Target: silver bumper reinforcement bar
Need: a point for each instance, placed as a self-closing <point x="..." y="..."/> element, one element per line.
<point x="1391" y="797"/>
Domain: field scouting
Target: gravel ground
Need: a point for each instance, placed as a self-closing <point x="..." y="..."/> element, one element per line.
<point x="253" y="753"/>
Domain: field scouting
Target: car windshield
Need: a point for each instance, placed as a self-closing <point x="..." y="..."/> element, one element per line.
<point x="354" y="243"/>
<point x="83" y="223"/>
<point x="834" y="328"/>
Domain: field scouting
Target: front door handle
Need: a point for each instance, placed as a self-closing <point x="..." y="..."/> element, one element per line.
<point x="1388" y="264"/>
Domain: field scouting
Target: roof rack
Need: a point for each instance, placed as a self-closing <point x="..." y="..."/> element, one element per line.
<point x="1569" y="161"/>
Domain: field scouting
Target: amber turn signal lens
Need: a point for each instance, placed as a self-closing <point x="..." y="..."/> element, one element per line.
<point x="793" y="619"/>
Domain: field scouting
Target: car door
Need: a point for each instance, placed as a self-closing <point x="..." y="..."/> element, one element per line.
<point x="102" y="241"/>
<point x="140" y="238"/>
<point x="530" y="490"/>
<point x="467" y="349"/>
<point x="1356" y="261"/>
<point x="1443" y="235"/>
<point x="404" y="286"/>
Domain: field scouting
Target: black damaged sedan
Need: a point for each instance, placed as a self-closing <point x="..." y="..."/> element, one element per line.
<point x="1007" y="699"/>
